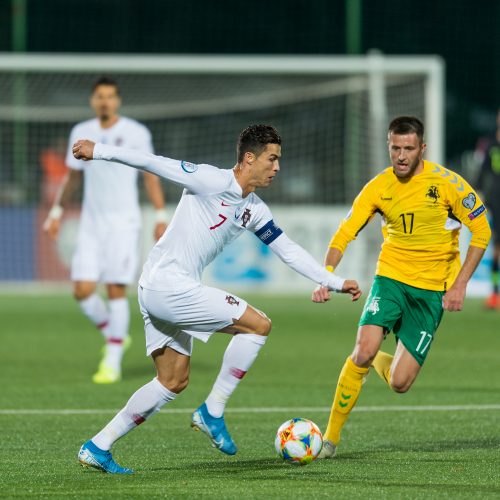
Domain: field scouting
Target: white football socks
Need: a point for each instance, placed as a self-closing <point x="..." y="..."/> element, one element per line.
<point x="119" y="319"/>
<point x="95" y="309"/>
<point x="238" y="358"/>
<point x="143" y="404"/>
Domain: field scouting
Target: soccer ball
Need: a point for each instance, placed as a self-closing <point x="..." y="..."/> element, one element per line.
<point x="298" y="441"/>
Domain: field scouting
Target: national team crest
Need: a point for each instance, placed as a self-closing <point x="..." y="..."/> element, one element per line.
<point x="373" y="306"/>
<point x="433" y="193"/>
<point x="469" y="201"/>
<point x="245" y="218"/>
<point x="232" y="301"/>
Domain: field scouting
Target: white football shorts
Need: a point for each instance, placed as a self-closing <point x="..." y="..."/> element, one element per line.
<point x="109" y="257"/>
<point x="172" y="318"/>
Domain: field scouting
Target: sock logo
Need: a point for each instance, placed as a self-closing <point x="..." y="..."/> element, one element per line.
<point x="236" y="372"/>
<point x="346" y="398"/>
<point x="138" y="419"/>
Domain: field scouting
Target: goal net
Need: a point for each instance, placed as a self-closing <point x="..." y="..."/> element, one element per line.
<point x="332" y="114"/>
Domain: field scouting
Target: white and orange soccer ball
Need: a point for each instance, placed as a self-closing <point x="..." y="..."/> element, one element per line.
<point x="298" y="441"/>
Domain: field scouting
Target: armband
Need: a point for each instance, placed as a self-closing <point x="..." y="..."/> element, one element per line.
<point x="268" y="233"/>
<point x="330" y="269"/>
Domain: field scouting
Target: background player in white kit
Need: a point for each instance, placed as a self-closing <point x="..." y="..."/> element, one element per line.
<point x="216" y="207"/>
<point x="108" y="236"/>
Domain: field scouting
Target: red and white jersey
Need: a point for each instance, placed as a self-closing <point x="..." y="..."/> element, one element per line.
<point x="210" y="215"/>
<point x="110" y="191"/>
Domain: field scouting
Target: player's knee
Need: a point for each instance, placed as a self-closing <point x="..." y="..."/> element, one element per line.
<point x="363" y="354"/>
<point x="82" y="293"/>
<point x="175" y="384"/>
<point x="264" y="326"/>
<point x="400" y="386"/>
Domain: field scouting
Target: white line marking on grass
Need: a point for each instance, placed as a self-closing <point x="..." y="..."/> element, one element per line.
<point x="277" y="409"/>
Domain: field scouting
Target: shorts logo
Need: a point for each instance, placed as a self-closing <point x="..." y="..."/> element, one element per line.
<point x="373" y="306"/>
<point x="469" y="201"/>
<point x="477" y="212"/>
<point x="433" y="193"/>
<point x="188" y="167"/>
<point x="232" y="301"/>
<point x="245" y="218"/>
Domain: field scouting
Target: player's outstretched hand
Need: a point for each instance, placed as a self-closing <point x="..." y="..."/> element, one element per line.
<point x="83" y="150"/>
<point x="320" y="294"/>
<point x="352" y="287"/>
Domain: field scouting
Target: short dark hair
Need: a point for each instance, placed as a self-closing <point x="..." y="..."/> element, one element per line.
<point x="403" y="125"/>
<point x="255" y="138"/>
<point x="106" y="80"/>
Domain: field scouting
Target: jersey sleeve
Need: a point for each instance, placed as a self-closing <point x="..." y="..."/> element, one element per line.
<point x="199" y="179"/>
<point x="71" y="161"/>
<point x="469" y="209"/>
<point x="362" y="211"/>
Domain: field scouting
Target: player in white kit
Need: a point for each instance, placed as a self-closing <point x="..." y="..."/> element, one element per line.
<point x="216" y="207"/>
<point x="108" y="237"/>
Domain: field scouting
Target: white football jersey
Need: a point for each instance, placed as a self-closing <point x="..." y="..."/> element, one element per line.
<point x="110" y="191"/>
<point x="204" y="222"/>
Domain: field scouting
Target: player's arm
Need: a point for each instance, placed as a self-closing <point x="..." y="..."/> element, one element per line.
<point x="294" y="256"/>
<point x="473" y="215"/>
<point x="71" y="184"/>
<point x="154" y="192"/>
<point x="200" y="179"/>
<point x="361" y="212"/>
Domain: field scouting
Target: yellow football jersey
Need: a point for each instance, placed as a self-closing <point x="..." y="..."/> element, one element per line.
<point x="422" y="217"/>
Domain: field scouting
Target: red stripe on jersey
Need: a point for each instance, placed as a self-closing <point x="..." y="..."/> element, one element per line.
<point x="236" y="372"/>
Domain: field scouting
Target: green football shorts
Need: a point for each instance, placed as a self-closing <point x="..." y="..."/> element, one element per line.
<point x="413" y="314"/>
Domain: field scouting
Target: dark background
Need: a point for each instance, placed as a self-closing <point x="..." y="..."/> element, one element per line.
<point x="465" y="33"/>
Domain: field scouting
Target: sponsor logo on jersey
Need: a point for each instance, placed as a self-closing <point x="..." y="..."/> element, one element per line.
<point x="477" y="212"/>
<point x="118" y="141"/>
<point x="386" y="198"/>
<point x="469" y="201"/>
<point x="188" y="167"/>
<point x="245" y="218"/>
<point x="224" y="204"/>
<point x="373" y="306"/>
<point x="232" y="301"/>
<point x="433" y="193"/>
<point x="237" y="213"/>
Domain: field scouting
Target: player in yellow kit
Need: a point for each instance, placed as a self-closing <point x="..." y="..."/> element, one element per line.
<point x="419" y="274"/>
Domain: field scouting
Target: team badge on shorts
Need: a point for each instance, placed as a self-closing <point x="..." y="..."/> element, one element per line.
<point x="232" y="301"/>
<point x="373" y="306"/>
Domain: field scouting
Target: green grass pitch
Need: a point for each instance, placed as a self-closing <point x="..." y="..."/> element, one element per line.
<point x="49" y="351"/>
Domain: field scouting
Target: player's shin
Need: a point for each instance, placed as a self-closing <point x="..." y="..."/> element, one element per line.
<point x="95" y="309"/>
<point x="143" y="404"/>
<point x="346" y="395"/>
<point x="238" y="358"/>
<point x="382" y="365"/>
<point x="119" y="319"/>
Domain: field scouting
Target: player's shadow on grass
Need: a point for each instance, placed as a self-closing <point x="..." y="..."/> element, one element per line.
<point x="427" y="446"/>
